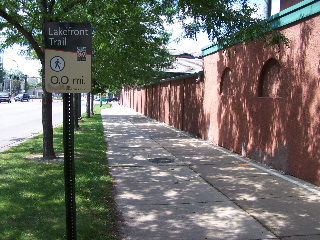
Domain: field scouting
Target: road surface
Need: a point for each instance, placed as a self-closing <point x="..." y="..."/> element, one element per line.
<point x="22" y="120"/>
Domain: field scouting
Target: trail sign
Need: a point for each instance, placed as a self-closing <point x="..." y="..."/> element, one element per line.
<point x="68" y="54"/>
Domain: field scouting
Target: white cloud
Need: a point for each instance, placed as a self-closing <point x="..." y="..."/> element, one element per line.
<point x="12" y="60"/>
<point x="194" y="46"/>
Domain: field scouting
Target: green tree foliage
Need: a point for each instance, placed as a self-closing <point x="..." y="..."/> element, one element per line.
<point x="129" y="35"/>
<point x="129" y="43"/>
<point x="17" y="78"/>
<point x="225" y="21"/>
<point x="129" y="40"/>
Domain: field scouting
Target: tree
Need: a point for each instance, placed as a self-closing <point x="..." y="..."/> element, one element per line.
<point x="15" y="79"/>
<point x="127" y="42"/>
<point x="129" y="39"/>
<point x="225" y="21"/>
<point x="132" y="51"/>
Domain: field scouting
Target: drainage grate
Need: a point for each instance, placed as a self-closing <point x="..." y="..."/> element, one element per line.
<point x="161" y="160"/>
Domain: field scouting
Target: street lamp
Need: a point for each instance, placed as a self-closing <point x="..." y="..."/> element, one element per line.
<point x="10" y="86"/>
<point x="17" y="64"/>
<point x="11" y="78"/>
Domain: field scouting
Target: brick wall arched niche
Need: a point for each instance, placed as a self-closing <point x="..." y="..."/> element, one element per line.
<point x="226" y="87"/>
<point x="269" y="82"/>
<point x="268" y="143"/>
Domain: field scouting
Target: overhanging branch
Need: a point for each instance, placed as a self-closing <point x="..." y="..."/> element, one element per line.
<point x="24" y="32"/>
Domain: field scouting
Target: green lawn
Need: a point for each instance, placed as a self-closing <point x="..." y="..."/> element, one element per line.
<point x="32" y="202"/>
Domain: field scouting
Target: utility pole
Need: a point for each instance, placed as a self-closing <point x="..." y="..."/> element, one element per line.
<point x="269" y="8"/>
<point x="25" y="83"/>
<point x="1" y="70"/>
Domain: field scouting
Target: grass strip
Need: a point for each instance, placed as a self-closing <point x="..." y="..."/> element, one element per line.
<point x="32" y="205"/>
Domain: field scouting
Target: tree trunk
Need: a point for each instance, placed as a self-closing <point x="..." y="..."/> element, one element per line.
<point x="92" y="100"/>
<point x="88" y="105"/>
<point x="48" y="150"/>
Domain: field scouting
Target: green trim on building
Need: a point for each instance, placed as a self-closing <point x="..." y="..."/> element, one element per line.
<point x="295" y="13"/>
<point x="292" y="14"/>
<point x="210" y="49"/>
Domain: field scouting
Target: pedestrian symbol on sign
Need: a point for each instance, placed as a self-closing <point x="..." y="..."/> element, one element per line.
<point x="57" y="64"/>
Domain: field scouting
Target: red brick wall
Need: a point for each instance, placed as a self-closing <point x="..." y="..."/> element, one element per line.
<point x="261" y="102"/>
<point x="155" y="111"/>
<point x="143" y="101"/>
<point x="136" y="99"/>
<point x="193" y="102"/>
<point x="164" y="102"/>
<point x="279" y="127"/>
<point x="176" y="103"/>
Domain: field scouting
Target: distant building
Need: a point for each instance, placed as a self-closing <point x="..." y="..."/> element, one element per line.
<point x="34" y="80"/>
<point x="185" y="63"/>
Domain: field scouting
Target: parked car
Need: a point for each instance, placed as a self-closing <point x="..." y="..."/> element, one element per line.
<point x="114" y="99"/>
<point x="5" y="97"/>
<point x="22" y="97"/>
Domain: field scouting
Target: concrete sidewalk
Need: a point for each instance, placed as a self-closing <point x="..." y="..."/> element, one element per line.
<point x="172" y="186"/>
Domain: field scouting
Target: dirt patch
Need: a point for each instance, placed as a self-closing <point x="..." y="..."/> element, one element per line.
<point x="39" y="158"/>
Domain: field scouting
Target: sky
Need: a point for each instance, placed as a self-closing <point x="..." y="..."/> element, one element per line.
<point x="12" y="60"/>
<point x="193" y="46"/>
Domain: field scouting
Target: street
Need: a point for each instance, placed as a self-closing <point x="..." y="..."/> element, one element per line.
<point x="22" y="120"/>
